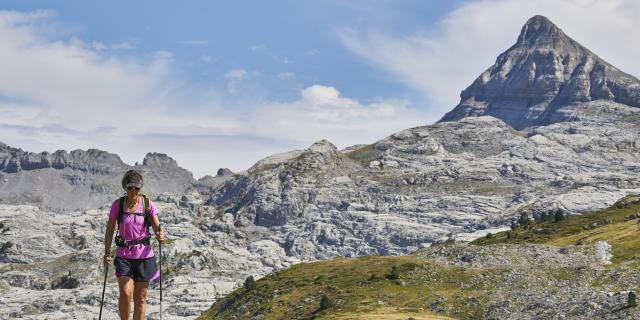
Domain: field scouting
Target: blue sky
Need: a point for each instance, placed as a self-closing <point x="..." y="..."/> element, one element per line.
<point x="276" y="39"/>
<point x="224" y="84"/>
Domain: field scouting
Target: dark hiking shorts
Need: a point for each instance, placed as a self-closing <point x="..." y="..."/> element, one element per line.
<point x="137" y="269"/>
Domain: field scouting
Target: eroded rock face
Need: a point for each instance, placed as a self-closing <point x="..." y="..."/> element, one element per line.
<point x="162" y="173"/>
<point x="542" y="78"/>
<point x="267" y="195"/>
<point x="451" y="180"/>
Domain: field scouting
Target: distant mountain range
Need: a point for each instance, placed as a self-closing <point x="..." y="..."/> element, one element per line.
<point x="63" y="181"/>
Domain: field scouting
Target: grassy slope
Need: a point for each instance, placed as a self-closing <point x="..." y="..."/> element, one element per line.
<point x="359" y="288"/>
<point x="623" y="235"/>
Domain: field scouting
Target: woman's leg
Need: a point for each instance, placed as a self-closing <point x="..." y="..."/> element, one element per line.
<point x="125" y="284"/>
<point x="140" y="299"/>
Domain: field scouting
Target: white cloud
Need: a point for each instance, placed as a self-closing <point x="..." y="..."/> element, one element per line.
<point x="48" y="85"/>
<point x="206" y="59"/>
<point x="78" y="95"/>
<point x="195" y="42"/>
<point x="236" y="74"/>
<point x="99" y="46"/>
<point x="444" y="62"/>
<point x="234" y="78"/>
<point x="121" y="46"/>
<point x="69" y="81"/>
<point x="18" y="114"/>
<point x="269" y="52"/>
<point x="323" y="95"/>
<point x="161" y="55"/>
<point x="286" y="76"/>
<point x="312" y="52"/>
<point x="322" y="113"/>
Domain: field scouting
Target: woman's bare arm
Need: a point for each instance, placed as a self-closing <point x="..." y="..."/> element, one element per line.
<point x="108" y="235"/>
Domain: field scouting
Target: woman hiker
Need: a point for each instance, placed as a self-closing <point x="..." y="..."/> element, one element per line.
<point x="135" y="262"/>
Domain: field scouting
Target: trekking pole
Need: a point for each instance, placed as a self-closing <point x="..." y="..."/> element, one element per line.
<point x="104" y="285"/>
<point x="160" y="249"/>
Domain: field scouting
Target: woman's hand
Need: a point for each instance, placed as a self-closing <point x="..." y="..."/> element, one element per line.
<point x="160" y="235"/>
<point x="107" y="259"/>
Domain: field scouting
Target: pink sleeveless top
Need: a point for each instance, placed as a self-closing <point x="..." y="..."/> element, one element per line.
<point x="132" y="228"/>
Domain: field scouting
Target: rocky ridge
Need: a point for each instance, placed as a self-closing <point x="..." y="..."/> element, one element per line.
<point x="451" y="180"/>
<point x="76" y="180"/>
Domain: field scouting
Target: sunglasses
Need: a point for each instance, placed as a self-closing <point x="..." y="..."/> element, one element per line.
<point x="133" y="188"/>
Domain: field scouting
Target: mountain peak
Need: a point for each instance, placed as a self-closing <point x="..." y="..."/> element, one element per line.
<point x="542" y="78"/>
<point x="538" y="29"/>
<point x="154" y="159"/>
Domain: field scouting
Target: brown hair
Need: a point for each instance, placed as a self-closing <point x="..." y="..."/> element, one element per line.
<point x="129" y="176"/>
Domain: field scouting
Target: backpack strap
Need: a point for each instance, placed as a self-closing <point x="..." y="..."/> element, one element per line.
<point x="121" y="204"/>
<point x="123" y="199"/>
<point x="146" y="207"/>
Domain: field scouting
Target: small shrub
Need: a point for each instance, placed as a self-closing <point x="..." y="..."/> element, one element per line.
<point x="622" y="204"/>
<point x="524" y="219"/>
<point x="606" y="221"/>
<point x="489" y="236"/>
<point x="394" y="274"/>
<point x="325" y="302"/>
<point x="558" y="216"/>
<point x="249" y="283"/>
<point x="543" y="217"/>
<point x="549" y="216"/>
<point x="409" y="266"/>
<point x="66" y="282"/>
<point x="631" y="299"/>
